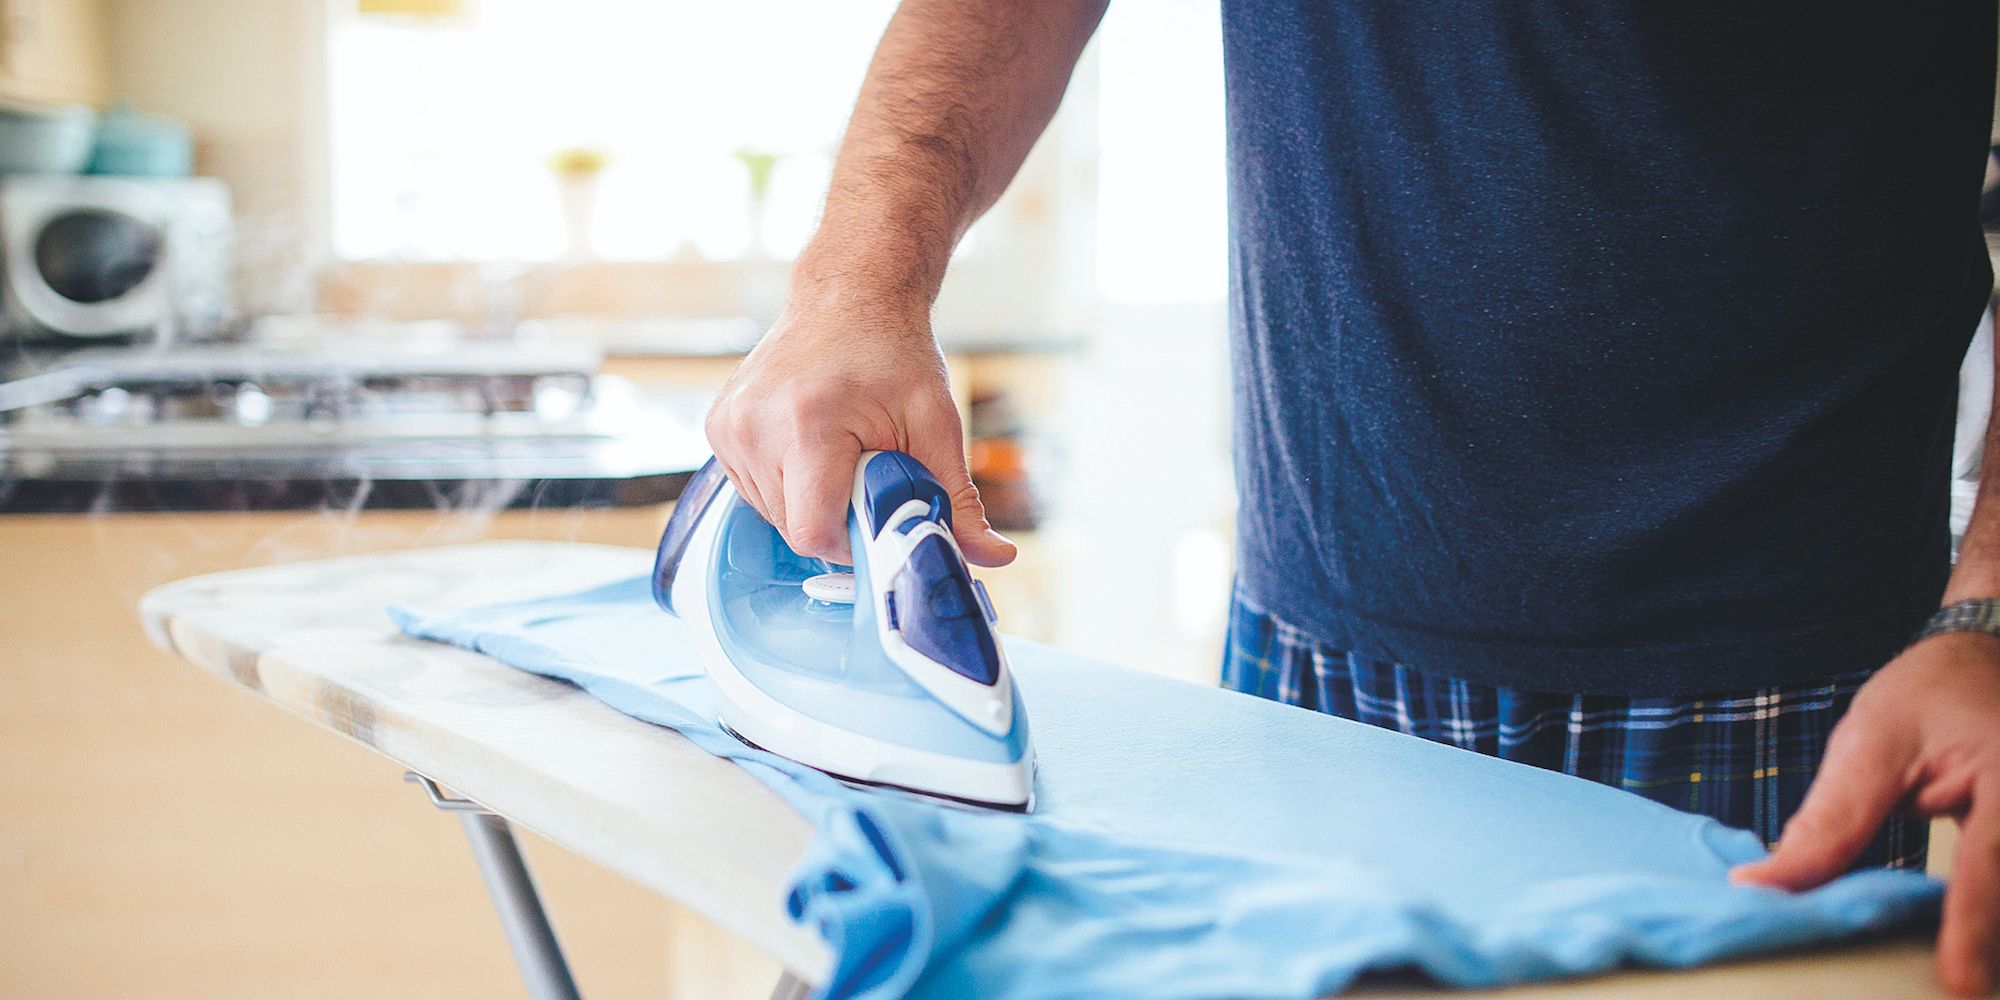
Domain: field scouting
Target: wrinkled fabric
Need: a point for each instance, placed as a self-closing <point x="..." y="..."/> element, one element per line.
<point x="1191" y="843"/>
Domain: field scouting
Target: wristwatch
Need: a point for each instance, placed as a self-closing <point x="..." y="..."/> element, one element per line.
<point x="1977" y="615"/>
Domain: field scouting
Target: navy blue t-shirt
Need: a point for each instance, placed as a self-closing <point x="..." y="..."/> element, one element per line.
<point x="1603" y="347"/>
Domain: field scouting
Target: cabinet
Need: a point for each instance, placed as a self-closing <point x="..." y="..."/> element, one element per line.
<point x="54" y="51"/>
<point x="163" y="835"/>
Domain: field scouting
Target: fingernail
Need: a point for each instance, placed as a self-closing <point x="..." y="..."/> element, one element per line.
<point x="998" y="538"/>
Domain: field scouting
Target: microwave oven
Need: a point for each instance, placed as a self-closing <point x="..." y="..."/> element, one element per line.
<point x="92" y="259"/>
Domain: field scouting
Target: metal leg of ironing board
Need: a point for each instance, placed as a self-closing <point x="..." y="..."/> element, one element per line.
<point x="529" y="935"/>
<point x="791" y="987"/>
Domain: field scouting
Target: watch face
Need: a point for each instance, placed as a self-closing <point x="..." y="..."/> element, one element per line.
<point x="89" y="256"/>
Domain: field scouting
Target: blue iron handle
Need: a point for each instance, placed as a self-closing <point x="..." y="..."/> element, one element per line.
<point x="891" y="479"/>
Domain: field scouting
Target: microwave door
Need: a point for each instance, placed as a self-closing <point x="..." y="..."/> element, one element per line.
<point x="97" y="272"/>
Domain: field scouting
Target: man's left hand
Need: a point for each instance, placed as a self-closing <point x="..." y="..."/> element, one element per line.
<point x="1922" y="735"/>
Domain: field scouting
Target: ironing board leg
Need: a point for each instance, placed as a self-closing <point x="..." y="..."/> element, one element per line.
<point x="529" y="935"/>
<point x="791" y="987"/>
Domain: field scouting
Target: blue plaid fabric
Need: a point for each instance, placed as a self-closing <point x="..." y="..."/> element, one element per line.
<point x="1743" y="757"/>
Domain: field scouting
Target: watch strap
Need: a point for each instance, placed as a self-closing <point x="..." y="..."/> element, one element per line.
<point x="1977" y="615"/>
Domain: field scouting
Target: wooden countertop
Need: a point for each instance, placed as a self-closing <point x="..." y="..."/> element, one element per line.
<point x="312" y="637"/>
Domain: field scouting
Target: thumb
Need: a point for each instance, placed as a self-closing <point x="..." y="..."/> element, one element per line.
<point x="1858" y="785"/>
<point x="942" y="450"/>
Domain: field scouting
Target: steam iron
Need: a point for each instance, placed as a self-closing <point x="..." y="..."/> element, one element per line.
<point x="884" y="673"/>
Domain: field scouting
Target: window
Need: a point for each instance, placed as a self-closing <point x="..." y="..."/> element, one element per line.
<point x="1161" y="203"/>
<point x="444" y="128"/>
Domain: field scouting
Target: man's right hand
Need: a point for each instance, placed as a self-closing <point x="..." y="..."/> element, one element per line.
<point x="820" y="389"/>
<point x="953" y="101"/>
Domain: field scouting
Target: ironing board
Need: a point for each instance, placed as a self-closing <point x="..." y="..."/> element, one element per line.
<point x="313" y="638"/>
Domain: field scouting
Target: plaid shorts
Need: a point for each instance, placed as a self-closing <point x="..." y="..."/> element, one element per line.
<point x="1743" y="757"/>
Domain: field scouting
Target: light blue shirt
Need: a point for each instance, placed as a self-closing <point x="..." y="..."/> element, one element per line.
<point x="1191" y="843"/>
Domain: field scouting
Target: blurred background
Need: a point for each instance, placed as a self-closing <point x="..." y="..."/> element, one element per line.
<point x="289" y="279"/>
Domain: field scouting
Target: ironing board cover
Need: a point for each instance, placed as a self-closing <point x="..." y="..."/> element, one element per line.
<point x="1195" y="843"/>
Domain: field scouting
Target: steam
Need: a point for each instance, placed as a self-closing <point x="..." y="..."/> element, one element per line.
<point x="137" y="549"/>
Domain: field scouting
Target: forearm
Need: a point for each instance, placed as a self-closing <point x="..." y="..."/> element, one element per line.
<point x="1978" y="571"/>
<point x="956" y="95"/>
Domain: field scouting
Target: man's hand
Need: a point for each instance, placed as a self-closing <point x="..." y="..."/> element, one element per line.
<point x="955" y="98"/>
<point x="814" y="395"/>
<point x="1923" y="735"/>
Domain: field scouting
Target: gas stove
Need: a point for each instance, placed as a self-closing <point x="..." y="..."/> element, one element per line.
<point x="242" y="425"/>
<point x="264" y="398"/>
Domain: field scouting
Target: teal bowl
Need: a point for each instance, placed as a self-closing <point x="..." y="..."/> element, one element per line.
<point x="57" y="141"/>
<point x="130" y="144"/>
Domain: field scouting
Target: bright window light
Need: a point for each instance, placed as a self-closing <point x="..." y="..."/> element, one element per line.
<point x="444" y="128"/>
<point x="1162" y="206"/>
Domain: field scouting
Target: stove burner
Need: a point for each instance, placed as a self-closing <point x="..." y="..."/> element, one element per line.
<point x="246" y="397"/>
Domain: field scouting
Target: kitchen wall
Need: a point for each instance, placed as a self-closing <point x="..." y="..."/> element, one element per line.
<point x="248" y="76"/>
<point x="53" y="51"/>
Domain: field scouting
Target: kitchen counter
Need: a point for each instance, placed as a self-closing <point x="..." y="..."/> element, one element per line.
<point x="496" y="474"/>
<point x="167" y="835"/>
<point x="312" y="638"/>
